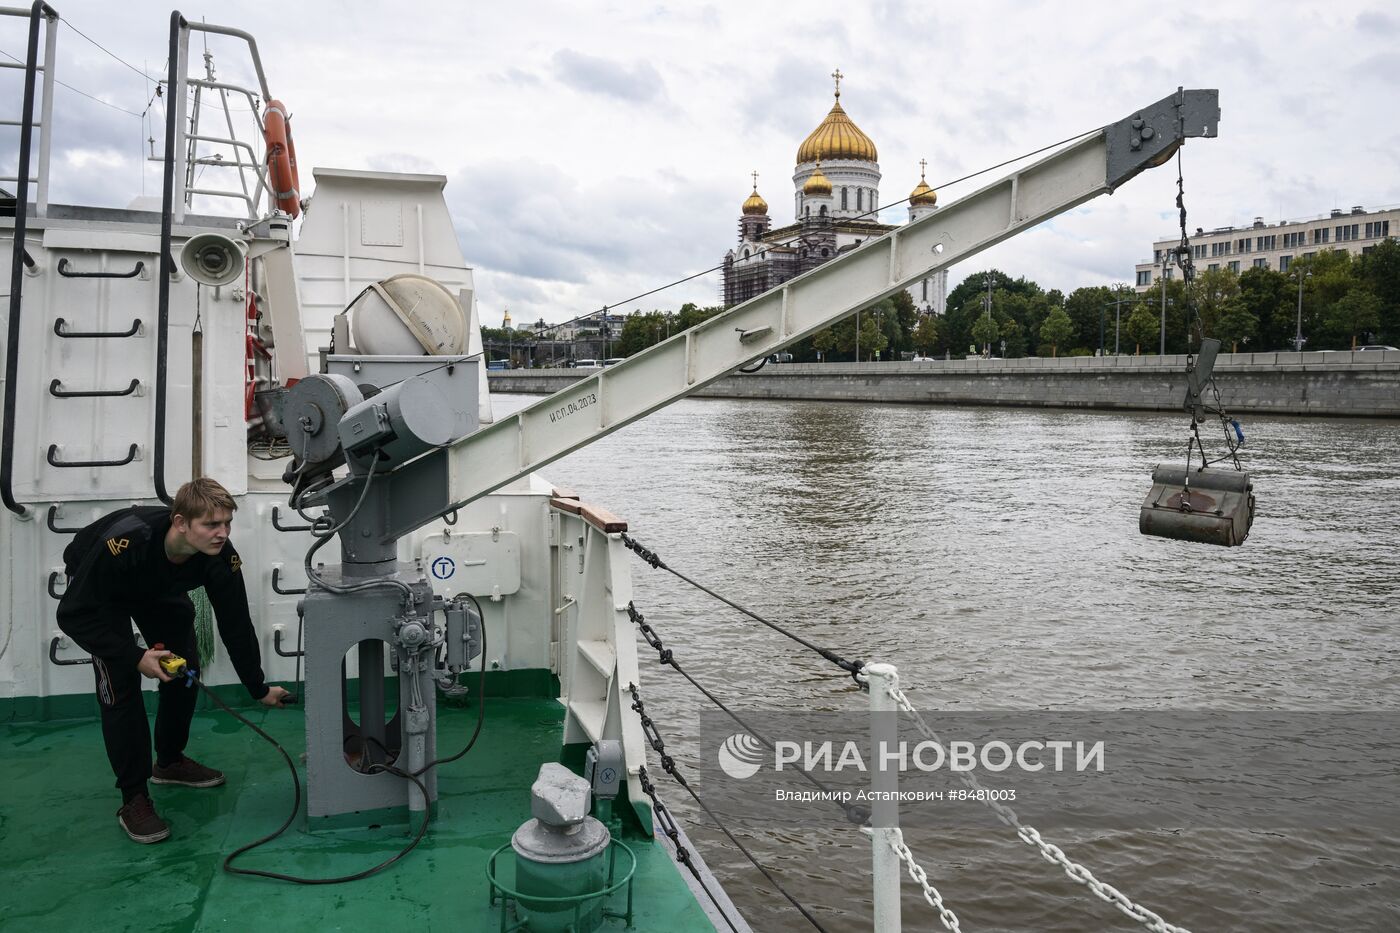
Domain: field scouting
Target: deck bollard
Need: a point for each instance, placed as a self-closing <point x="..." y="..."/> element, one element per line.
<point x="884" y="814"/>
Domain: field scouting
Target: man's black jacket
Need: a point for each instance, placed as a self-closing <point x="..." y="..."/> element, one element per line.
<point x="118" y="565"/>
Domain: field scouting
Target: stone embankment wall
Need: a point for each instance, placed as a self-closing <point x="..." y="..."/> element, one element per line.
<point x="1334" y="384"/>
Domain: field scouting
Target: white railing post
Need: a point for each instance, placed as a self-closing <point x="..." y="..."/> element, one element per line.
<point x="884" y="814"/>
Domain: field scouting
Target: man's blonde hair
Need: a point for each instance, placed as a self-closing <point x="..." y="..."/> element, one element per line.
<point x="199" y="497"/>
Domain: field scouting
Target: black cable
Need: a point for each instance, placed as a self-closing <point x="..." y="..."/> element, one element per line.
<point x="855" y="814"/>
<point x="78" y="91"/>
<point x="372" y="769"/>
<point x="105" y="49"/>
<point x="296" y="808"/>
<point x="322" y="538"/>
<point x="651" y="557"/>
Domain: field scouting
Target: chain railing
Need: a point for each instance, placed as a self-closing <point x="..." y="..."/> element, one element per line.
<point x="1029" y="835"/>
<point x="920" y="876"/>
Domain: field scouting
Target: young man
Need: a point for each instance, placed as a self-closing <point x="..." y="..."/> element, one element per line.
<point x="138" y="564"/>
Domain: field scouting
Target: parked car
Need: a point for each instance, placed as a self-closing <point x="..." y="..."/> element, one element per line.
<point x="1376" y="346"/>
<point x="780" y="358"/>
<point x="584" y="364"/>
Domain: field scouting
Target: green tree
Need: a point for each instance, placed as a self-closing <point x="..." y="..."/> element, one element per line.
<point x="1014" y="336"/>
<point x="1213" y="293"/>
<point x="1235" y="324"/>
<point x="1057" y="329"/>
<point x="1085" y="307"/>
<point x="872" y="338"/>
<point x="1142" y="327"/>
<point x="1356" y="312"/>
<point x="640" y="331"/>
<point x="1327" y="277"/>
<point x="689" y="315"/>
<point x="926" y="335"/>
<point x="985" y="330"/>
<point x="824" y="341"/>
<point x="1380" y="270"/>
<point x="906" y="318"/>
<point x="1270" y="297"/>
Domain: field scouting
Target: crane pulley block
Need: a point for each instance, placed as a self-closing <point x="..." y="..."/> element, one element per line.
<point x="1202" y="505"/>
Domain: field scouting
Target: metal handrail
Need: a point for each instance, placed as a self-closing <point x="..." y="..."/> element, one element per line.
<point x="55" y="462"/>
<point x="53" y="654"/>
<point x="277" y="646"/>
<point x="63" y="271"/>
<point x="53" y="578"/>
<point x="177" y="81"/>
<point x="53" y="513"/>
<point x="174" y="116"/>
<point x="290" y="591"/>
<point x="129" y="332"/>
<point x="280" y="527"/>
<point x="17" y="254"/>
<point x="57" y="392"/>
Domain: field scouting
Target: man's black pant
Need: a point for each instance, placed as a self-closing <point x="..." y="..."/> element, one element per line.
<point x="124" y="728"/>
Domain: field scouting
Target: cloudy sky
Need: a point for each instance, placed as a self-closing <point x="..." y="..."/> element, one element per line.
<point x="594" y="151"/>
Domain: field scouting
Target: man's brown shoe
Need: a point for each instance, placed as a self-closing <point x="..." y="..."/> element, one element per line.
<point x="138" y="817"/>
<point x="187" y="772"/>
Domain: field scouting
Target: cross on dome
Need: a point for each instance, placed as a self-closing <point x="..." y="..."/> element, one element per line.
<point x="838" y="76"/>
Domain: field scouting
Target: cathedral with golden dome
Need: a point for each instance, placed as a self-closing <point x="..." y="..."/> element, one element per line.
<point x="836" y="207"/>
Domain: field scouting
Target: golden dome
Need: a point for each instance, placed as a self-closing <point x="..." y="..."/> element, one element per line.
<point x="923" y="195"/>
<point x="818" y="186"/>
<point x="837" y="138"/>
<point x="754" y="204"/>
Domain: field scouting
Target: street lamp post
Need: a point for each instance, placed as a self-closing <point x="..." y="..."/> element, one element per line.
<point x="1163" y="350"/>
<point x="1298" y="340"/>
<point x="988" y="306"/>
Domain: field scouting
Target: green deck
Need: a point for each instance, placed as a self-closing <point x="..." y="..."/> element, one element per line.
<point x="67" y="865"/>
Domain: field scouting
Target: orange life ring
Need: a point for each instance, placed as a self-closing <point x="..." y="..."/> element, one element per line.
<point x="282" y="158"/>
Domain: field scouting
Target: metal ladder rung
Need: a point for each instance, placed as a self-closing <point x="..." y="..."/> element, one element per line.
<point x="55" y="462"/>
<point x="36" y="124"/>
<point x="57" y="391"/>
<point x="32" y="181"/>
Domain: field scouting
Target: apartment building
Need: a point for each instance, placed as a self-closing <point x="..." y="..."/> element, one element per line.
<point x="1273" y="246"/>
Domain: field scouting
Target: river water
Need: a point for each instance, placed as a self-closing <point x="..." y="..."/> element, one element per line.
<point x="993" y="555"/>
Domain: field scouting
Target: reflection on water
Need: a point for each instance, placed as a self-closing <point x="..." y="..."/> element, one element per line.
<point x="993" y="555"/>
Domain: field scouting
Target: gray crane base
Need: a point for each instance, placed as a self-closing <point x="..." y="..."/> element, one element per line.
<point x="362" y="621"/>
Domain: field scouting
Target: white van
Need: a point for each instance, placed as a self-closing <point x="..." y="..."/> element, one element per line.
<point x="585" y="364"/>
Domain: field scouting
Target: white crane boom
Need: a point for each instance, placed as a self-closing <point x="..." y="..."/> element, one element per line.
<point x="618" y="395"/>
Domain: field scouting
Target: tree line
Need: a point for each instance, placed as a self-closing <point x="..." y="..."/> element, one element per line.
<point x="1346" y="300"/>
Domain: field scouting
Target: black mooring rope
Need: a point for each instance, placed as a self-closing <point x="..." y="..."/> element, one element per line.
<point x="668" y="764"/>
<point x="651" y="557"/>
